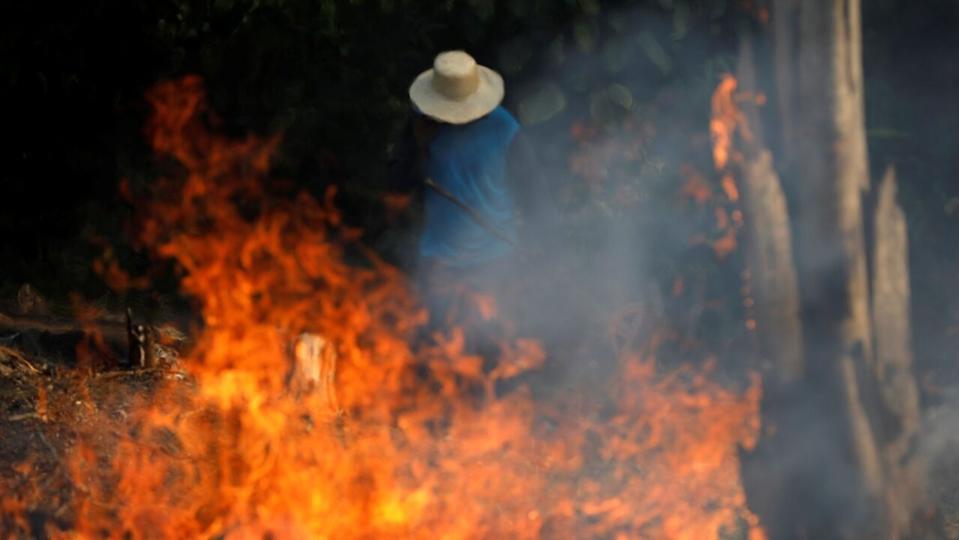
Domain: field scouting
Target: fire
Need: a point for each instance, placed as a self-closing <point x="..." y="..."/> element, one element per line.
<point x="727" y="121"/>
<point x="422" y="442"/>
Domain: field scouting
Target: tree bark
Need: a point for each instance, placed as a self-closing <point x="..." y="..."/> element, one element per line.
<point x="893" y="339"/>
<point x="785" y="31"/>
<point x="774" y="284"/>
<point x="832" y="146"/>
<point x="841" y="415"/>
<point x="769" y="244"/>
<point x="832" y="413"/>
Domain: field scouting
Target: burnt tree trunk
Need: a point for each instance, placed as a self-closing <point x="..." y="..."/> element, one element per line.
<point x="774" y="284"/>
<point x="785" y="33"/>
<point x="893" y="344"/>
<point x="769" y="243"/>
<point x="821" y="101"/>
<point x="832" y="437"/>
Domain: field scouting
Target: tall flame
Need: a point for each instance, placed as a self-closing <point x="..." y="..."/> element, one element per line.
<point x="423" y="442"/>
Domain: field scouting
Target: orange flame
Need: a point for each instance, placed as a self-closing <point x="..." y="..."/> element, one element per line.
<point x="424" y="443"/>
<point x="726" y="116"/>
<point x="726" y="122"/>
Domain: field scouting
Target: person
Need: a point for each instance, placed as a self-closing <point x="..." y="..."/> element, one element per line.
<point x="484" y="200"/>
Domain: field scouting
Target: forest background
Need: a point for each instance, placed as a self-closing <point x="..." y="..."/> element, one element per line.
<point x="331" y="76"/>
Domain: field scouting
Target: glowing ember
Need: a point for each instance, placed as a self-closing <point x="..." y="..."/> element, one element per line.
<point x="421" y="442"/>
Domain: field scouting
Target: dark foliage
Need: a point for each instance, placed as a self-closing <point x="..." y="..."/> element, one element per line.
<point x="332" y="76"/>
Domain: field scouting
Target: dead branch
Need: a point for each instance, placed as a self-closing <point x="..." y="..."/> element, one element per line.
<point x="111" y="329"/>
<point x="26" y="416"/>
<point x="134" y="373"/>
<point x="50" y="447"/>
<point x="10" y="352"/>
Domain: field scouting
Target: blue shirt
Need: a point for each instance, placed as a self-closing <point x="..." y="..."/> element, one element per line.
<point x="470" y="162"/>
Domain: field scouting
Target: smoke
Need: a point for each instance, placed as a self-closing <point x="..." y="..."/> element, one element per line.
<point x="619" y="121"/>
<point x="625" y="259"/>
<point x="616" y="107"/>
<point x="939" y="448"/>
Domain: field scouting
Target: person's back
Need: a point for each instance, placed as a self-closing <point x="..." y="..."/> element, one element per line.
<point x="469" y="162"/>
<point x="477" y="172"/>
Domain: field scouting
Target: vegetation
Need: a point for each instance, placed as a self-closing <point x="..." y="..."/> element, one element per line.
<point x="615" y="95"/>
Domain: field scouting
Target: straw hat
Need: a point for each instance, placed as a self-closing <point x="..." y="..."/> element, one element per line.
<point x="457" y="90"/>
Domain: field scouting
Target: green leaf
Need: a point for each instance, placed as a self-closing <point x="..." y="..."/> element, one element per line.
<point x="620" y="95"/>
<point x="541" y="105"/>
<point x="655" y="52"/>
<point x="680" y="21"/>
<point x="610" y="103"/>
<point x="556" y="52"/>
<point x="585" y="32"/>
<point x="619" y="24"/>
<point x="589" y="7"/>
<point x="617" y="53"/>
<point x="577" y="78"/>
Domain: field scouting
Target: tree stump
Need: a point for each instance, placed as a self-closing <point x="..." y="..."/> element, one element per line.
<point x="314" y="369"/>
